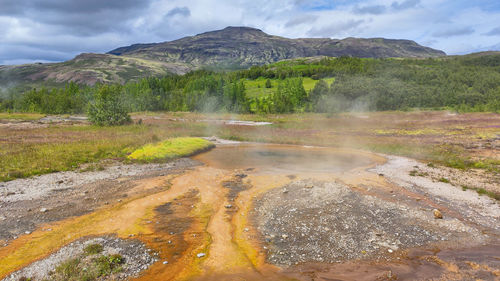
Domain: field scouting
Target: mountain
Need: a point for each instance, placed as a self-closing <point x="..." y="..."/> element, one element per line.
<point x="86" y="68"/>
<point x="229" y="48"/>
<point x="245" y="46"/>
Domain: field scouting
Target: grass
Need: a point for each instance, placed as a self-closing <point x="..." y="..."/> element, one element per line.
<point x="257" y="88"/>
<point x="20" y="116"/>
<point x="29" y="152"/>
<point x="95" y="268"/>
<point x="482" y="191"/>
<point x="25" y="153"/>
<point x="170" y="149"/>
<point x="445" y="180"/>
<point x="93" y="249"/>
<point x="88" y="266"/>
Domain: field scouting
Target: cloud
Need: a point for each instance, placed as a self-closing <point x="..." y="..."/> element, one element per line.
<point x="56" y="30"/>
<point x="454" y="32"/>
<point x="372" y="10"/>
<point x="408" y="4"/>
<point x="494" y="32"/>
<point x="182" y="11"/>
<point x="335" y="28"/>
<point x="301" y="20"/>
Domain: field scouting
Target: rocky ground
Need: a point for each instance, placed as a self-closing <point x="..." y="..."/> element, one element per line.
<point x="427" y="182"/>
<point x="328" y="222"/>
<point x="27" y="203"/>
<point x="137" y="258"/>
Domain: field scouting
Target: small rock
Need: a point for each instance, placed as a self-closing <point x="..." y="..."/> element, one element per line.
<point x="43" y="210"/>
<point x="201" y="255"/>
<point x="437" y="214"/>
<point x="285" y="190"/>
<point x="228" y="206"/>
<point x="246" y="229"/>
<point x="27" y="232"/>
<point x="390" y="251"/>
<point x="284" y="236"/>
<point x="165" y="262"/>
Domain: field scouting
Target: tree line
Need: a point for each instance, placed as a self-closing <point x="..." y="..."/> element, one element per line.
<point x="469" y="83"/>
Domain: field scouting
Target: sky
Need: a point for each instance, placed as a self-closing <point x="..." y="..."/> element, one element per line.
<point x="58" y="30"/>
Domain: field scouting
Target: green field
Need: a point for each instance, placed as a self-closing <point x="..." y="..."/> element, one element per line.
<point x="257" y="88"/>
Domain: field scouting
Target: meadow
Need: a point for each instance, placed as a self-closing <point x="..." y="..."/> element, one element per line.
<point x="463" y="141"/>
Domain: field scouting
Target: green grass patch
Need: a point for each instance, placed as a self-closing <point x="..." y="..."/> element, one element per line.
<point x="170" y="149"/>
<point x="257" y="87"/>
<point x="482" y="191"/>
<point x="93" y="249"/>
<point x="20" y="116"/>
<point x="96" y="268"/>
<point x="309" y="83"/>
<point x="445" y="180"/>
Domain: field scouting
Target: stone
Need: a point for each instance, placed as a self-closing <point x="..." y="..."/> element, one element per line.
<point x="437" y="214"/>
<point x="200" y="255"/>
<point x="228" y="206"/>
<point x="284" y="236"/>
<point x="44" y="210"/>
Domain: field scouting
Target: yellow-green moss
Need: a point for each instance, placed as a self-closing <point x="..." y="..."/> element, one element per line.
<point x="170" y="149"/>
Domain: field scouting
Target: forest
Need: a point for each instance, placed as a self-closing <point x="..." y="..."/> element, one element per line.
<point x="462" y="83"/>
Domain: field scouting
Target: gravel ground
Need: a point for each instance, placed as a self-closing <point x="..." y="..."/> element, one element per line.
<point x="25" y="204"/>
<point x="38" y="187"/>
<point x="137" y="258"/>
<point x="477" y="209"/>
<point x="312" y="221"/>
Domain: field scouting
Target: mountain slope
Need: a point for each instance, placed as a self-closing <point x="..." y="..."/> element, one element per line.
<point x="87" y="69"/>
<point x="230" y="48"/>
<point x="244" y="46"/>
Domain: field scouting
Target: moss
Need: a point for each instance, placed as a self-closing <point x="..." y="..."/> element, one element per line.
<point x="445" y="180"/>
<point x="93" y="249"/>
<point x="170" y="149"/>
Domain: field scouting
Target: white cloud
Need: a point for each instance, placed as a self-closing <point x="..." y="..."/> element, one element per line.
<point x="52" y="31"/>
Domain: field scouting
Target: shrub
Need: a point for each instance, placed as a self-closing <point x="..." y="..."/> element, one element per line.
<point x="107" y="108"/>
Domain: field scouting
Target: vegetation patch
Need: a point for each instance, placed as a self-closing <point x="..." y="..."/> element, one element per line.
<point x="90" y="265"/>
<point x="171" y="149"/>
<point x="20" y="116"/>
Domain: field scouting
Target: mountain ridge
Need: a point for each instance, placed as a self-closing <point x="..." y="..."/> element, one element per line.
<point x="248" y="46"/>
<point x="228" y="48"/>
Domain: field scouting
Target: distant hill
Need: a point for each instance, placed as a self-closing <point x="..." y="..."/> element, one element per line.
<point x="245" y="46"/>
<point x="229" y="48"/>
<point x="87" y="69"/>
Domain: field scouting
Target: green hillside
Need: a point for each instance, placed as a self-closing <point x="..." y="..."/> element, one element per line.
<point x="323" y="84"/>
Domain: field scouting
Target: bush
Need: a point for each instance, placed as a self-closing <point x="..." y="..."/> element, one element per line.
<point x="107" y="108"/>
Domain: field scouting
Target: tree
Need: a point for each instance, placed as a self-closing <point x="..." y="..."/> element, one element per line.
<point x="107" y="109"/>
<point x="268" y="84"/>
